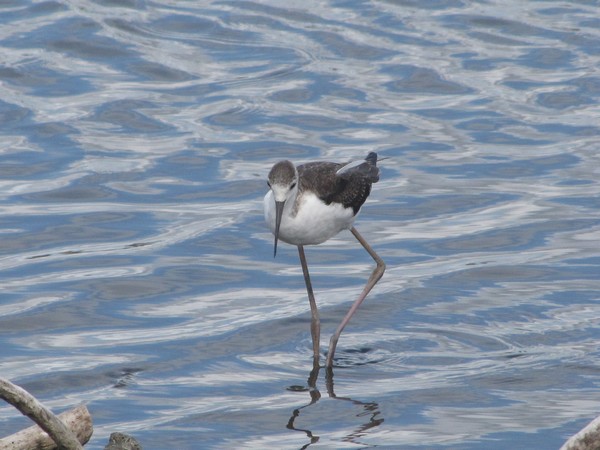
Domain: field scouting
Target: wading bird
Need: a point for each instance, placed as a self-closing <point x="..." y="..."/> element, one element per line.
<point x="309" y="204"/>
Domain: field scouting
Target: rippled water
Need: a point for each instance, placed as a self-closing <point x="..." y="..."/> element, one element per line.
<point x="137" y="273"/>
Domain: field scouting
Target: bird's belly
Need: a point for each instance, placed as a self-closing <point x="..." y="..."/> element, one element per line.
<point x="314" y="221"/>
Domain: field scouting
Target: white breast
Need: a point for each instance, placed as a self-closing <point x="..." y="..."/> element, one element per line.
<point x="313" y="223"/>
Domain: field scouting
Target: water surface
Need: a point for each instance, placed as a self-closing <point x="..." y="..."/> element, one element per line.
<point x="138" y="275"/>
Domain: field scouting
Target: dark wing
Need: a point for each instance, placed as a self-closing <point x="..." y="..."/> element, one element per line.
<point x="348" y="184"/>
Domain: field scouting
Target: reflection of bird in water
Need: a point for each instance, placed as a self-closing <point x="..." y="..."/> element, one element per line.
<point x="309" y="204"/>
<point x="369" y="410"/>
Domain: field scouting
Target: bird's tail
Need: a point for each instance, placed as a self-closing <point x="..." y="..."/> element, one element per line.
<point x="372" y="158"/>
<point x="366" y="168"/>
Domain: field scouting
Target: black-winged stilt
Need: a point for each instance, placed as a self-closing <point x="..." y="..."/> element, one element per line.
<point x="309" y="204"/>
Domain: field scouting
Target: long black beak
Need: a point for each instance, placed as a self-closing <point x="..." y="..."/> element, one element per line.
<point x="278" y="214"/>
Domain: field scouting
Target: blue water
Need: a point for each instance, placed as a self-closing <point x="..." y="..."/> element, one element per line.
<point x="137" y="275"/>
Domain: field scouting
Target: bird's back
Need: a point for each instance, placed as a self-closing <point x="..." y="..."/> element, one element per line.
<point x="333" y="183"/>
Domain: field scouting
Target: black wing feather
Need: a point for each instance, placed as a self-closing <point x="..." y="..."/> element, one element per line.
<point x="350" y="188"/>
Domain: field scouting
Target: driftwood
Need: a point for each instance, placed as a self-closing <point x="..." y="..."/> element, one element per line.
<point x="73" y="429"/>
<point x="588" y="438"/>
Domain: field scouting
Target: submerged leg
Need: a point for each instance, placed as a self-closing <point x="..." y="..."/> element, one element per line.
<point x="373" y="279"/>
<point x="315" y="324"/>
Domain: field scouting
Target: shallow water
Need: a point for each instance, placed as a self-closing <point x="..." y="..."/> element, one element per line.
<point x="138" y="275"/>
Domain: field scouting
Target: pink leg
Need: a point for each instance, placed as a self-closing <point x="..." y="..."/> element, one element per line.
<point x="373" y="279"/>
<point x="315" y="325"/>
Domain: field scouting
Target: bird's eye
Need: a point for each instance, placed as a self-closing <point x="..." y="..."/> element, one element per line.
<point x="293" y="185"/>
<point x="269" y="183"/>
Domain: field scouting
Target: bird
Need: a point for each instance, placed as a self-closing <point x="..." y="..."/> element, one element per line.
<point x="310" y="203"/>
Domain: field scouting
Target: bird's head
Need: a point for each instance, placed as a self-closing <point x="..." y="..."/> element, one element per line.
<point x="283" y="181"/>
